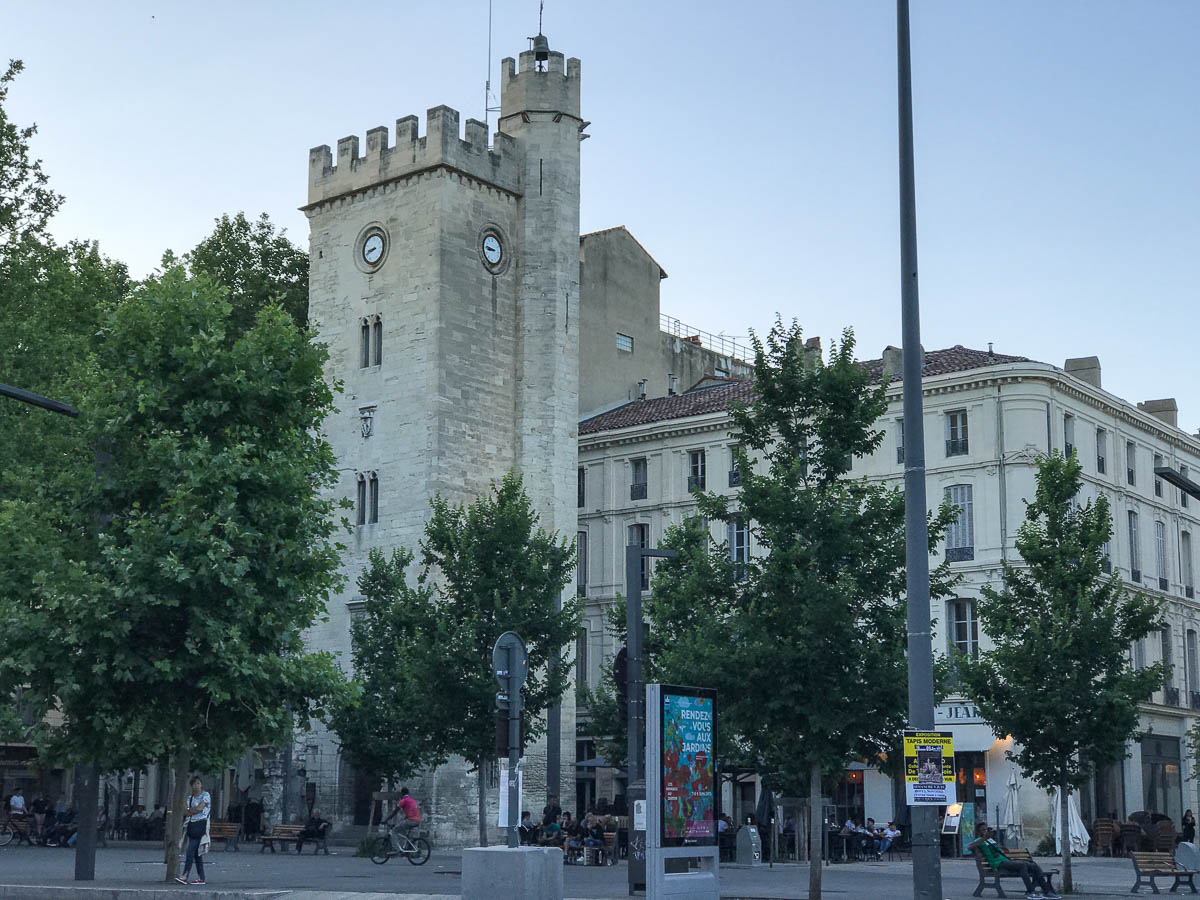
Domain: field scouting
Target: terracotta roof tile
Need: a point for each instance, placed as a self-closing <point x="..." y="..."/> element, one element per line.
<point x="716" y="398"/>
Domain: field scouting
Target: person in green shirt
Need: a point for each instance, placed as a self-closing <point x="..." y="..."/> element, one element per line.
<point x="1037" y="885"/>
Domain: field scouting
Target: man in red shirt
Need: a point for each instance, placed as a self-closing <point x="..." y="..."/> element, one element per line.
<point x="412" y="814"/>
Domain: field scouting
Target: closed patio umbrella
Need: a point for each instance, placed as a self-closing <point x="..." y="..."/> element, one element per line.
<point x="1010" y="819"/>
<point x="1078" y="835"/>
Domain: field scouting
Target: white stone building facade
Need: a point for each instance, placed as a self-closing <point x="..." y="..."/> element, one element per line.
<point x="988" y="420"/>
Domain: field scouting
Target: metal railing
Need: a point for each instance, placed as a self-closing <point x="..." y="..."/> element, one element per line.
<point x="718" y="343"/>
<point x="735" y="479"/>
<point x="695" y="483"/>
<point x="956" y="447"/>
<point x="1171" y="696"/>
<point x="637" y="491"/>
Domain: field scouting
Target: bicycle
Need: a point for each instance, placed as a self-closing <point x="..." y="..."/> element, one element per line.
<point x="18" y="829"/>
<point x="415" y="850"/>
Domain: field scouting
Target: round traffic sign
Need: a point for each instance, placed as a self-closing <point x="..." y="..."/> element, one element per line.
<point x="510" y="640"/>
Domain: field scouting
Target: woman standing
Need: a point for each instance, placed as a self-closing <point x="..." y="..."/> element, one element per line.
<point x="195" y="831"/>
<point x="1189" y="827"/>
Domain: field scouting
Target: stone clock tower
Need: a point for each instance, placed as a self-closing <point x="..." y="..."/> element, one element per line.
<point x="445" y="281"/>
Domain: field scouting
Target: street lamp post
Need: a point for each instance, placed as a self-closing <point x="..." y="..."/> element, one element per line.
<point x="87" y="781"/>
<point x="927" y="864"/>
<point x="635" y="694"/>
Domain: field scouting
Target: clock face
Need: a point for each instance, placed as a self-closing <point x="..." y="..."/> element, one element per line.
<point x="372" y="249"/>
<point x="492" y="251"/>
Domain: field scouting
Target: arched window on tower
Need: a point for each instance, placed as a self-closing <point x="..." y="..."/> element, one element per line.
<point x="373" y="499"/>
<point x="377" y="340"/>
<point x="360" y="505"/>
<point x="365" y="352"/>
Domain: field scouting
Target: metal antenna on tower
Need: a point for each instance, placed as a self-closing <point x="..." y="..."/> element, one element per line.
<point x="488" y="98"/>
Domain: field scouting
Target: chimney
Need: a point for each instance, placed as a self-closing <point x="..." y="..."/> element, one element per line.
<point x="642" y="389"/>
<point x="893" y="361"/>
<point x="812" y="351"/>
<point x="1166" y="409"/>
<point x="672" y="384"/>
<point x="1085" y="368"/>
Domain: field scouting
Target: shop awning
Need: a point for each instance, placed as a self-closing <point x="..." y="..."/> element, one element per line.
<point x="972" y="738"/>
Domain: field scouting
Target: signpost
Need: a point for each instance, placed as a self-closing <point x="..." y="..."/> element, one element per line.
<point x="510" y="663"/>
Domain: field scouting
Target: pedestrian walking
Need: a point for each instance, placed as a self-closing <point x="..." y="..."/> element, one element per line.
<point x="196" y="817"/>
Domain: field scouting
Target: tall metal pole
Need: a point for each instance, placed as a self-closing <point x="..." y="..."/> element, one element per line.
<point x="927" y="864"/>
<point x="514" y="751"/>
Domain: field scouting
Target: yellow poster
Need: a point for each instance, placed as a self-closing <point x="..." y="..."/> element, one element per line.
<point x="929" y="768"/>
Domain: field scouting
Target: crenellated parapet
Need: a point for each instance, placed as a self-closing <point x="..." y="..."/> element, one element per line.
<point x="527" y="89"/>
<point x="331" y="175"/>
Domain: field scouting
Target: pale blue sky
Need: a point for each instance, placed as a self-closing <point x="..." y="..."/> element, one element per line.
<point x="750" y="147"/>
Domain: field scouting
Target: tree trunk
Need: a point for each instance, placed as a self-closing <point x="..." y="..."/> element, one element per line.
<point x="173" y="825"/>
<point x="1064" y="796"/>
<point x="816" y="831"/>
<point x="482" y="777"/>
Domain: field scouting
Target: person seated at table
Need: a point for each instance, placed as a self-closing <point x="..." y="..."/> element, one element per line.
<point x="885" y="839"/>
<point x="526" y="830"/>
<point x="593" y="828"/>
<point x="62" y="829"/>
<point x="574" y="836"/>
<point x="551" y="832"/>
<point x="1037" y="885"/>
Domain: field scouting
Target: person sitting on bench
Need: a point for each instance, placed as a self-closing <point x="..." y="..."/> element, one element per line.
<point x="314" y="830"/>
<point x="1037" y="885"/>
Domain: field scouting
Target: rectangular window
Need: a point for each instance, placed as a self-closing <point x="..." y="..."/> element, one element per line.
<point x="1190" y="662"/>
<point x="639" y="536"/>
<point x="365" y="351"/>
<point x="624" y="343"/>
<point x="1135" y="555"/>
<point x="735" y="475"/>
<point x="373" y="494"/>
<point x="956" y="433"/>
<point x="1185" y="564"/>
<point x="582" y="682"/>
<point x="377" y="342"/>
<point x="1160" y="554"/>
<point x="695" y="480"/>
<point x="1106" y="556"/>
<point x="739" y="546"/>
<point x="637" y="483"/>
<point x="581" y="487"/>
<point x="1101" y="450"/>
<point x="1183" y="497"/>
<point x="900" y="441"/>
<point x="581" y="563"/>
<point x="960" y="536"/>
<point x="1158" y="485"/>
<point x="1130" y="463"/>
<point x="1068" y="434"/>
<point x="963" y="627"/>
<point x="1139" y="654"/>
<point x="1165" y="651"/>
<point x="360" y="502"/>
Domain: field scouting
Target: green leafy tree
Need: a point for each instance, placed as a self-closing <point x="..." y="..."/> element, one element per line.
<point x="259" y="265"/>
<point x="26" y="200"/>
<point x="180" y="637"/>
<point x="494" y="569"/>
<point x="1058" y="677"/>
<point x="805" y="641"/>
<point x="390" y="725"/>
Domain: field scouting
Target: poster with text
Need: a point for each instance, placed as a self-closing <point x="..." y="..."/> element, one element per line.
<point x="929" y="768"/>
<point x="688" y="771"/>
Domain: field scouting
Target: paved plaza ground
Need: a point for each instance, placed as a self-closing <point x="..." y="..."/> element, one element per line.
<point x="308" y="877"/>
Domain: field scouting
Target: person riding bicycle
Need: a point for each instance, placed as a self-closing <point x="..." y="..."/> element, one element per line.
<point x="412" y="817"/>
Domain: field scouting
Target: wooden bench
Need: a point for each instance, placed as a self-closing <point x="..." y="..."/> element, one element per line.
<point x="1148" y="866"/>
<point x="229" y="832"/>
<point x="990" y="878"/>
<point x="281" y="834"/>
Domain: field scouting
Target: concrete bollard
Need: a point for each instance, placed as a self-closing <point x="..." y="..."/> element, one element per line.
<point x="531" y="873"/>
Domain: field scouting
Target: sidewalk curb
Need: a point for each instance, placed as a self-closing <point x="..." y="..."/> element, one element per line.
<point x="50" y="892"/>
